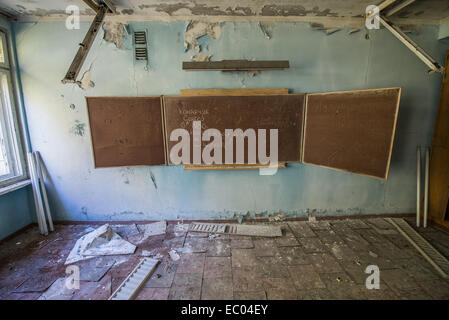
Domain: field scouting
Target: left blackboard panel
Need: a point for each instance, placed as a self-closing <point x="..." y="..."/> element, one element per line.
<point x="126" y="131"/>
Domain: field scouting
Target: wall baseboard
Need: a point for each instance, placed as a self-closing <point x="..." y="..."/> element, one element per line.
<point x="15" y="233"/>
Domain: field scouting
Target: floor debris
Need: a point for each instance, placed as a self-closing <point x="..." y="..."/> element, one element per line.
<point x="126" y="230"/>
<point x="174" y="255"/>
<point x="276" y="217"/>
<point x="152" y="229"/>
<point x="237" y="229"/>
<point x="100" y="242"/>
<point x="95" y="269"/>
<point x="197" y="29"/>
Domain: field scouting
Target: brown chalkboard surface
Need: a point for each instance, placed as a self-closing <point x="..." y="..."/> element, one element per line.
<point x="352" y="130"/>
<point x="126" y="131"/>
<point x="282" y="112"/>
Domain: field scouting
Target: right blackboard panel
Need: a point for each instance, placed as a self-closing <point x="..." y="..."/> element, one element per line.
<point x="351" y="130"/>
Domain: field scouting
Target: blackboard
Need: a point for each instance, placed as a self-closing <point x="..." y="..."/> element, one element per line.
<point x="282" y="112"/>
<point x="352" y="130"/>
<point x="126" y="131"/>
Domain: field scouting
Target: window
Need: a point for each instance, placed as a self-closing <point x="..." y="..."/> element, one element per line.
<point x="11" y="155"/>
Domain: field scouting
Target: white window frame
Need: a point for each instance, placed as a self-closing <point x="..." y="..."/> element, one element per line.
<point x="9" y="120"/>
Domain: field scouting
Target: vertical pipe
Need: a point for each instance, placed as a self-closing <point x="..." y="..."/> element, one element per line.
<point x="426" y="187"/>
<point x="33" y="184"/>
<point x="39" y="164"/>
<point x="418" y="185"/>
<point x="40" y="209"/>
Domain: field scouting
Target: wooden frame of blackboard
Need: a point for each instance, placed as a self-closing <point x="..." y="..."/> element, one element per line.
<point x="353" y="91"/>
<point x="233" y="92"/>
<point x="92" y="142"/>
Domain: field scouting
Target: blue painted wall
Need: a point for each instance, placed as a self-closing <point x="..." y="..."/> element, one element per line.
<point x="16" y="210"/>
<point x="318" y="63"/>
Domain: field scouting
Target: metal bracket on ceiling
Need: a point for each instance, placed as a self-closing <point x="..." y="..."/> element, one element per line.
<point x="101" y="8"/>
<point x="398" y="33"/>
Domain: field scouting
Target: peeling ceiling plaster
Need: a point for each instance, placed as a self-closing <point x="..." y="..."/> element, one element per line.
<point x="420" y="12"/>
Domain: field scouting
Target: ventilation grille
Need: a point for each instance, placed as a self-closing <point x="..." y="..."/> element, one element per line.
<point x="436" y="259"/>
<point x="140" y="37"/>
<point x="207" y="227"/>
<point x="140" y="42"/>
<point x="240" y="229"/>
<point x="130" y="287"/>
<point x="141" y="54"/>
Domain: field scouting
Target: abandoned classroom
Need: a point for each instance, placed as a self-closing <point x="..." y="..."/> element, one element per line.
<point x="224" y="150"/>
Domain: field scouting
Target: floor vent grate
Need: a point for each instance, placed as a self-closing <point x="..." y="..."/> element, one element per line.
<point x="130" y="287"/>
<point x="436" y="259"/>
<point x="237" y="229"/>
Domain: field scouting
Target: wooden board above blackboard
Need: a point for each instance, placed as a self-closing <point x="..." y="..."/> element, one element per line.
<point x="351" y="130"/>
<point x="126" y="131"/>
<point x="282" y="112"/>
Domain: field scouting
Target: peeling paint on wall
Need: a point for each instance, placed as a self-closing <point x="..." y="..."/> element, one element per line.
<point x="78" y="128"/>
<point x="265" y="28"/>
<point x="197" y="29"/>
<point x="114" y="32"/>
<point x="128" y="11"/>
<point x="85" y="81"/>
<point x="153" y="178"/>
<point x="326" y="29"/>
<point x="295" y="10"/>
<point x="201" y="57"/>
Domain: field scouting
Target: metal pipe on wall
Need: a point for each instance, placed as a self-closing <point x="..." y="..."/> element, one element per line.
<point x="418" y="186"/>
<point x="426" y="187"/>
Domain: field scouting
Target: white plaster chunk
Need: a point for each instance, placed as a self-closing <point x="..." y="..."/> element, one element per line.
<point x="197" y="29"/>
<point x="100" y="242"/>
<point x="174" y="255"/>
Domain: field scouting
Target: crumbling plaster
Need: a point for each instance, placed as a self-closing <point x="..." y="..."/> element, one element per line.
<point x="318" y="62"/>
<point x="333" y="13"/>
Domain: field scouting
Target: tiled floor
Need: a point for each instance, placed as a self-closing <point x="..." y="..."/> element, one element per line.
<point x="312" y="260"/>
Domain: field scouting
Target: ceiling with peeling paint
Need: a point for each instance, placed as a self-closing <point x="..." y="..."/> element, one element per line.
<point x="421" y="11"/>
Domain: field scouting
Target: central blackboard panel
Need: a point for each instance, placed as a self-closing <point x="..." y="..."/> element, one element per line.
<point x="126" y="131"/>
<point x="352" y="130"/>
<point x="282" y="112"/>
